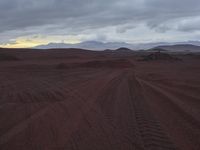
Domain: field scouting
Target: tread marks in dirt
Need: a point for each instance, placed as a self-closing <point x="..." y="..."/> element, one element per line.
<point x="151" y="132"/>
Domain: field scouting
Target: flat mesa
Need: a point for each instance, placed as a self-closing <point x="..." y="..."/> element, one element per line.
<point x="74" y="99"/>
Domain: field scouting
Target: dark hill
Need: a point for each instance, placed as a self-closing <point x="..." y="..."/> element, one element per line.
<point x="159" y="56"/>
<point x="123" y="49"/>
<point x="180" y="48"/>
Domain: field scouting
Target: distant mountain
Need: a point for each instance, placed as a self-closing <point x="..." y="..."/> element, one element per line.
<point x="92" y="45"/>
<point x="197" y="43"/>
<point x="158" y="44"/>
<point x="180" y="47"/>
<point x="96" y="45"/>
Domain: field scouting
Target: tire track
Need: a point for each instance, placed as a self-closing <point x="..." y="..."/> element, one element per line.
<point x="99" y="117"/>
<point x="109" y="99"/>
<point x="54" y="95"/>
<point x="151" y="132"/>
<point x="175" y="103"/>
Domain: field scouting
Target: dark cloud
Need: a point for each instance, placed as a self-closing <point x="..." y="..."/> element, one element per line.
<point x="71" y="16"/>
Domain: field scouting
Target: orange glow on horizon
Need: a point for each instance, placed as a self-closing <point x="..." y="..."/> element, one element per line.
<point x="33" y="42"/>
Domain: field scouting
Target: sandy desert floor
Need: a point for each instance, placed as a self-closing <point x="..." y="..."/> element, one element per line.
<point x="114" y="102"/>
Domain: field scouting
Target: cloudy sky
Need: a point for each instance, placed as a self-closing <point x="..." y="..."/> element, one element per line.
<point x="27" y="23"/>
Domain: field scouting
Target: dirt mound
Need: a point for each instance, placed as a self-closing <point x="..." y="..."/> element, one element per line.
<point x="159" y="56"/>
<point x="118" y="63"/>
<point x="7" y="57"/>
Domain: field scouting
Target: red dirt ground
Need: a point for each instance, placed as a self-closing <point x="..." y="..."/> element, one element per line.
<point x="99" y="101"/>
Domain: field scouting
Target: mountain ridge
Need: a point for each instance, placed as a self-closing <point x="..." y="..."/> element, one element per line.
<point x="96" y="45"/>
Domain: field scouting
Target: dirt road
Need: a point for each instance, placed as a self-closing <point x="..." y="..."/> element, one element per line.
<point x="97" y="108"/>
<point x="77" y="109"/>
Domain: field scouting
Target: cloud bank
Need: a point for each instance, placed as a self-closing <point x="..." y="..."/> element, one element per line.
<point x="113" y="20"/>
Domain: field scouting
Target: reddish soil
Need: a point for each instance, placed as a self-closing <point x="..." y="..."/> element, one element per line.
<point x="82" y="100"/>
